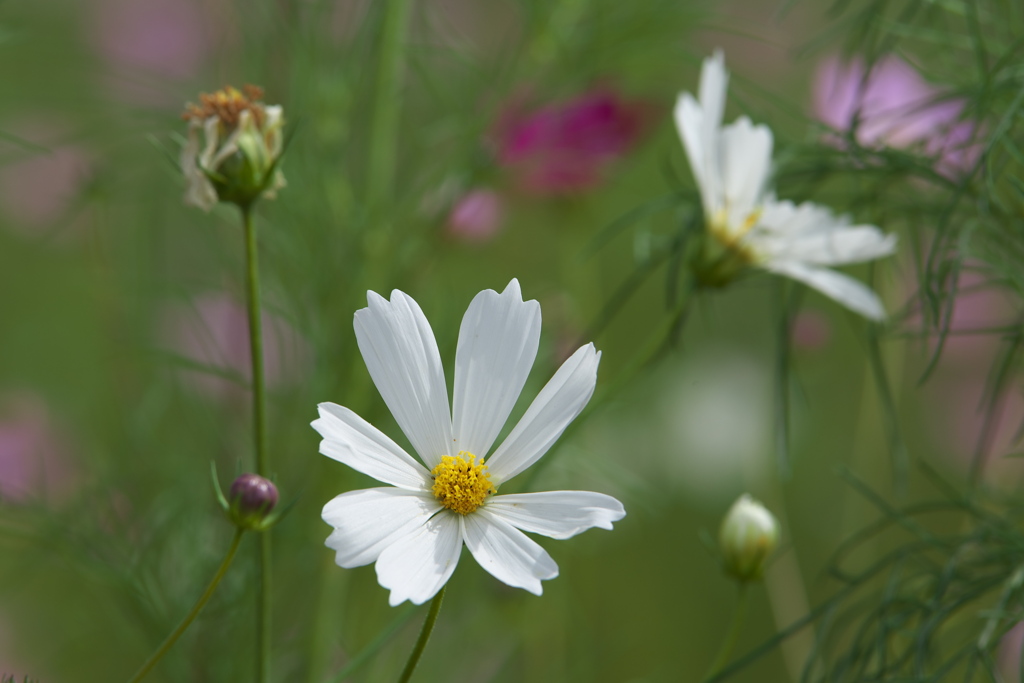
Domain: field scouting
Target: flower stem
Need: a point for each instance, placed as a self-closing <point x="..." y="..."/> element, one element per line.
<point x="386" y="103"/>
<point x="259" y="409"/>
<point x="193" y="613"/>
<point x="729" y="644"/>
<point x="421" y="642"/>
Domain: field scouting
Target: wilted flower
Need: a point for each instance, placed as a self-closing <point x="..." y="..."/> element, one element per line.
<point x="251" y="499"/>
<point x="746" y="225"/>
<point x="414" y="530"/>
<point x="890" y="104"/>
<point x="748" y="536"/>
<point x="566" y="148"/>
<point x="476" y="216"/>
<point x="237" y="159"/>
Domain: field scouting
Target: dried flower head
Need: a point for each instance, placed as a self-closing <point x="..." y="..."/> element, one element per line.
<point x="237" y="159"/>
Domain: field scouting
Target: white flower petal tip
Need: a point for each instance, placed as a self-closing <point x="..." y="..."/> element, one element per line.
<point x="507" y="554"/>
<point x="558" y="403"/>
<point x="351" y="440"/>
<point x="401" y="355"/>
<point x="557" y="514"/>
<point x="417" y="565"/>
<point x="415" y="532"/>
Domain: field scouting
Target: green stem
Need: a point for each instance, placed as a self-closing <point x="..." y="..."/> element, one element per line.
<point x="729" y="644"/>
<point x="421" y="642"/>
<point x="259" y="409"/>
<point x="386" y="103"/>
<point x="191" y="616"/>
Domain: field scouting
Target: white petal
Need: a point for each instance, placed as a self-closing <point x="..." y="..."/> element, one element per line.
<point x="497" y="346"/>
<point x="351" y="440"/>
<point x="558" y="514"/>
<point x="557" y="404"/>
<point x="368" y="521"/>
<point x="416" y="566"/>
<point x="401" y="355"/>
<point x="506" y="553"/>
<point x="838" y="246"/>
<point x="843" y="288"/>
<point x="746" y="165"/>
<point x="699" y="127"/>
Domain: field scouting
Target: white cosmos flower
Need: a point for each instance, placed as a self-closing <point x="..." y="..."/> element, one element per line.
<point x="747" y="225"/>
<point x="415" y="528"/>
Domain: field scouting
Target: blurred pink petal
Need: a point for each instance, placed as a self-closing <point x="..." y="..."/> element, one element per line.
<point x="34" y="460"/>
<point x="476" y="216"/>
<point x="811" y="330"/>
<point x="1009" y="654"/>
<point x="214" y="332"/>
<point x="163" y="37"/>
<point x="40" y="185"/>
<point x="892" y="105"/>
<point x="566" y="148"/>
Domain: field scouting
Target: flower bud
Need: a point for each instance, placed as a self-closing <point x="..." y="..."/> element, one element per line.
<point x="748" y="535"/>
<point x="233" y="149"/>
<point x="250" y="501"/>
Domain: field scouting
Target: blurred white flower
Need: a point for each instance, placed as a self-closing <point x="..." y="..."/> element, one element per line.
<point x="748" y="536"/>
<point x="237" y="159"/>
<point x="414" y="530"/>
<point x="746" y="224"/>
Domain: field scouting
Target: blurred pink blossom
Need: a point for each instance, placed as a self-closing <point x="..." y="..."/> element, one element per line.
<point x="1009" y="655"/>
<point x="892" y="105"/>
<point x="214" y="332"/>
<point x="38" y="187"/>
<point x="566" y="148"/>
<point x="810" y="330"/>
<point x="143" y="39"/>
<point x="34" y="460"/>
<point x="476" y="216"/>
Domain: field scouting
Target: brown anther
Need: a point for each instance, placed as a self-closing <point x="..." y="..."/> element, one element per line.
<point x="227" y="105"/>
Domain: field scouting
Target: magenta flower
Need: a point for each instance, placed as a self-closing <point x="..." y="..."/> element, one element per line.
<point x="566" y="148"/>
<point x="34" y="460"/>
<point x="476" y="216"/>
<point x="892" y="105"/>
<point x="214" y="332"/>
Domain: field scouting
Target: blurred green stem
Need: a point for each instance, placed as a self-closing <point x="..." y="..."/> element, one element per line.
<point x="386" y="104"/>
<point x="421" y="642"/>
<point x="259" y="409"/>
<point x="739" y="613"/>
<point x="193" y="613"/>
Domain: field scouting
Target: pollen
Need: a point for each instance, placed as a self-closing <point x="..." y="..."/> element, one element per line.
<point x="460" y="483"/>
<point x="227" y="105"/>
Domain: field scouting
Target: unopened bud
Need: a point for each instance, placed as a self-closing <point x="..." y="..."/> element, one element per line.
<point x="233" y="149"/>
<point x="251" y="498"/>
<point x="748" y="536"/>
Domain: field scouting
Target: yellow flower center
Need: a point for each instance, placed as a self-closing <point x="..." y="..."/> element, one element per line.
<point x="461" y="484"/>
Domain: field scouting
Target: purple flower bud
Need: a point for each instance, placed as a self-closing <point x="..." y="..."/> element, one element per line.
<point x="251" y="498"/>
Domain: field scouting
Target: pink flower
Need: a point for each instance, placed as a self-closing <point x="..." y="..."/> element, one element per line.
<point x="34" y="460"/>
<point x="566" y="148"/>
<point x="40" y="186"/>
<point x="146" y="39"/>
<point x="214" y="332"/>
<point x="811" y="331"/>
<point x="892" y="105"/>
<point x="476" y="216"/>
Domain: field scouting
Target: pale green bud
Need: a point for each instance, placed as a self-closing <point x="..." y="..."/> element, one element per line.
<point x="748" y="536"/>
